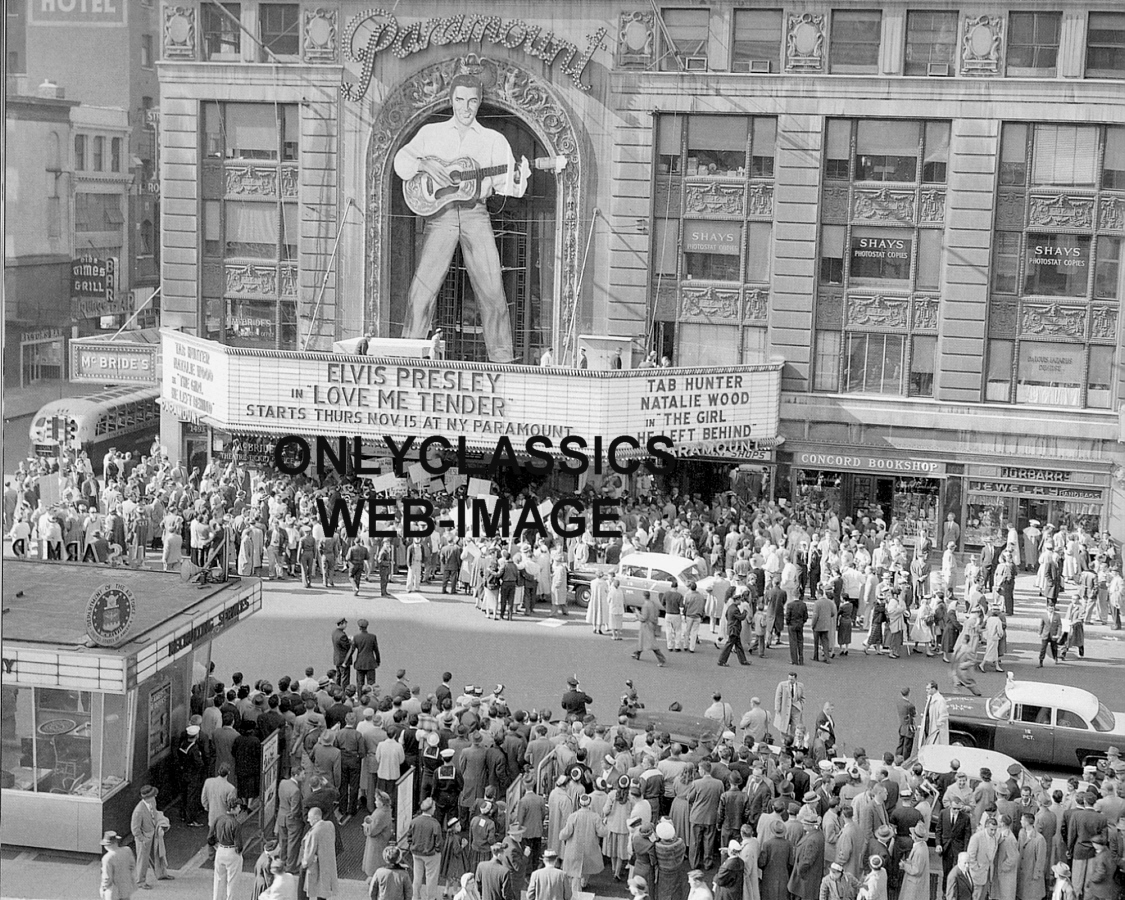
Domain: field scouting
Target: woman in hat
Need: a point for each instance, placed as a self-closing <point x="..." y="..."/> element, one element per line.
<point x="454" y="855"/>
<point x="993" y="632"/>
<point x="671" y="863"/>
<point x="874" y="886"/>
<point x="247" y="753"/>
<point x="482" y="835"/>
<point x="1064" y="890"/>
<point x="1074" y="628"/>
<point x="391" y="881"/>
<point x="378" y="830"/>
<point x="263" y="869"/>
<point x="697" y="887"/>
<point x="680" y="806"/>
<point x="559" y="807"/>
<point x="916" y="866"/>
<point x="582" y="855"/>
<point x="615" y="844"/>
<point x="468" y="888"/>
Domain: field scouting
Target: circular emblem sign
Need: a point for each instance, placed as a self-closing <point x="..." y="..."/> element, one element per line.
<point x="109" y="614"/>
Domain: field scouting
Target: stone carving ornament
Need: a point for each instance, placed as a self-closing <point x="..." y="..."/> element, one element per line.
<point x="636" y="38"/>
<point x="835" y="209"/>
<point x="514" y="90"/>
<point x="1103" y="323"/>
<point x="1111" y="215"/>
<point x="1002" y="317"/>
<point x="884" y="205"/>
<point x="760" y="200"/>
<point x="260" y="181"/>
<point x="804" y="43"/>
<point x="1062" y="211"/>
<point x="714" y="198"/>
<point x="1054" y="320"/>
<point x="708" y="302"/>
<point x="320" y="42"/>
<point x="925" y="313"/>
<point x="179" y="32"/>
<point x="251" y="279"/>
<point x="876" y="311"/>
<point x="757" y="305"/>
<point x="932" y="207"/>
<point x="981" y="45"/>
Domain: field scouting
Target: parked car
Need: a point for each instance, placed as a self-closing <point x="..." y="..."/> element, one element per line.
<point x="1049" y="725"/>
<point x="637" y="573"/>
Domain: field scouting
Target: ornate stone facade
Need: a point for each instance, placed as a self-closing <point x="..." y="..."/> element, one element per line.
<point x="883" y="205"/>
<point x="1002" y="318"/>
<point x="516" y="91"/>
<point x="1053" y="320"/>
<point x="876" y="311"/>
<point x="830" y="311"/>
<point x="931" y="207"/>
<point x="804" y="43"/>
<point x="1103" y="323"/>
<point x="714" y="198"/>
<point x="320" y="41"/>
<point x="251" y="280"/>
<point x="708" y="302"/>
<point x="834" y="208"/>
<point x="636" y="39"/>
<point x="1010" y="207"/>
<point x="924" y="314"/>
<point x="1061" y="211"/>
<point x="1111" y="212"/>
<point x="260" y="181"/>
<point x="982" y="45"/>
<point x="759" y="201"/>
<point x="757" y="306"/>
<point x="179" y="32"/>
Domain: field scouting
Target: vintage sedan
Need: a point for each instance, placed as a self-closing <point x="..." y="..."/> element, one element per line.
<point x="1050" y="725"/>
<point x="638" y="572"/>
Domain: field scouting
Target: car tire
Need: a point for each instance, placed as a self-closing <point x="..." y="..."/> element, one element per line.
<point x="958" y="739"/>
<point x="582" y="595"/>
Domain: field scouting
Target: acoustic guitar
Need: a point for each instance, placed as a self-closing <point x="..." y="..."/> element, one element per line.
<point x="425" y="197"/>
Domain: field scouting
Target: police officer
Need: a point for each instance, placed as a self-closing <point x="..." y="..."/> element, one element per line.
<point x="574" y="701"/>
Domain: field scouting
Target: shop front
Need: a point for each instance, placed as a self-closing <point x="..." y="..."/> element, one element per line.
<point x="906" y="492"/>
<point x="999" y="496"/>
<point x="98" y="670"/>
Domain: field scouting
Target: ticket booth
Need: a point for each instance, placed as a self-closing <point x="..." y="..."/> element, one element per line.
<point x="98" y="669"/>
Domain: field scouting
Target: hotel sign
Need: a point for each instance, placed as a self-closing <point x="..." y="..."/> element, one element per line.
<point x="378" y="31"/>
<point x="77" y="12"/>
<point x="104" y="361"/>
<point x="288" y="392"/>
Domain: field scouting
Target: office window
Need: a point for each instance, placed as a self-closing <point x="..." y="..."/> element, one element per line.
<point x="666" y="247"/>
<point x="146" y="51"/>
<point x="1005" y="262"/>
<point x="1105" y="45"/>
<point x="98" y="156"/>
<point x="936" y="152"/>
<point x="1057" y="265"/>
<point x="1013" y="154"/>
<point x="998" y="385"/>
<point x="1099" y="382"/>
<point x="881" y="254"/>
<point x="686" y="32"/>
<point x="280" y="24"/>
<point x="757" y="41"/>
<point x="717" y="145"/>
<point x="759" y="241"/>
<point x="1107" y="269"/>
<point x="763" y="147"/>
<point x="1113" y="166"/>
<point x="832" y="254"/>
<point x="838" y="149"/>
<point x="886" y="150"/>
<point x="929" y="259"/>
<point x="115" y="155"/>
<point x="874" y="364"/>
<point x="711" y="266"/>
<point x="827" y="361"/>
<point x="97" y="212"/>
<point x="931" y="42"/>
<point x="1050" y="374"/>
<point x="854" y="43"/>
<point x="80" y="152"/>
<point x="1033" y="43"/>
<point x="669" y="144"/>
<point x="922" y="366"/>
<point x="1065" y="155"/>
<point x="219" y="27"/>
<point x="251" y="131"/>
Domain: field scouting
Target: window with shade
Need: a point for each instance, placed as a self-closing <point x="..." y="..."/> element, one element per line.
<point x="220" y="31"/>
<point x="1065" y="155"/>
<point x="887" y="150"/>
<point x="853" y="45"/>
<point x="250" y="223"/>
<point x="756" y="46"/>
<point x="685" y="35"/>
<point x="717" y="145"/>
<point x="1105" y="45"/>
<point x="1033" y="44"/>
<point x="931" y="42"/>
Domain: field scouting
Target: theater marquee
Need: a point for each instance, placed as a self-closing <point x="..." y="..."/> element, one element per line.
<point x="279" y="392"/>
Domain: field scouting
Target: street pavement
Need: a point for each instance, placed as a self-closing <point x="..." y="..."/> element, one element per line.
<point x="427" y="633"/>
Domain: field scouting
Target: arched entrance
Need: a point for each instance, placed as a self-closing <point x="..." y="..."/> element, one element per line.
<point x="537" y="236"/>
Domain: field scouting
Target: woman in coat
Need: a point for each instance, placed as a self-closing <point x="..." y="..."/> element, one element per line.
<point x="616" y="603"/>
<point x="671" y="864"/>
<point x="597" y="612"/>
<point x="896" y="625"/>
<point x="916" y="866"/>
<point x="391" y="881"/>
<point x="377" y="832"/>
<point x="247" y="753"/>
<point x="950" y="630"/>
<point x="776" y="863"/>
<point x="318" y="857"/>
<point x="644" y="853"/>
<point x="844" y="625"/>
<point x="263" y="872"/>
<point x="581" y="835"/>
<point x="680" y="806"/>
<point x="559" y="807"/>
<point x="558" y="585"/>
<point x="615" y="844"/>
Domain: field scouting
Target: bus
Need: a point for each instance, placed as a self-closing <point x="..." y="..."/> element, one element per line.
<point x="125" y="417"/>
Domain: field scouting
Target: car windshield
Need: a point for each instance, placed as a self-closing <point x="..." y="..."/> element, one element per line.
<point x="1104" y="720"/>
<point x="1000" y="707"/>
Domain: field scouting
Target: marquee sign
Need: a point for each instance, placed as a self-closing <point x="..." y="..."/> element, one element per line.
<point x="278" y="393"/>
<point x="105" y="361"/>
<point x="378" y="31"/>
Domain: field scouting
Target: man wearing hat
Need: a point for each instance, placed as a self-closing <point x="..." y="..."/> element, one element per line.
<point x="549" y="882"/>
<point x="838" y="884"/>
<point x="808" y="862"/>
<point x="118" y="869"/>
<point x="475" y="774"/>
<point x="341" y="645"/>
<point x="1083" y="826"/>
<point x="423" y="839"/>
<point x="447" y="786"/>
<point x="494" y="878"/>
<point x="776" y="862"/>
<point x="574" y="701"/>
<point x="148" y="835"/>
<point x="364" y="655"/>
<point x="638" y="888"/>
<point x="516" y="856"/>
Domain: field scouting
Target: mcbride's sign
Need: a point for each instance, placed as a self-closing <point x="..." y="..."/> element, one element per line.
<point x="377" y="30"/>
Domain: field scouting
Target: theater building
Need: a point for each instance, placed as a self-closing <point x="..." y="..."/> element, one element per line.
<point x="905" y="219"/>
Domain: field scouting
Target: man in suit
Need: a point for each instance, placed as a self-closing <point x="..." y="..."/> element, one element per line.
<point x="703" y="800"/>
<point x="958" y="884"/>
<point x="341" y="644"/>
<point x="364" y="655"/>
<point x="788" y="705"/>
<point x="953" y="833"/>
<point x="823" y="624"/>
<point x="906" y="713"/>
<point x="148" y="837"/>
<point x="450" y="567"/>
<point x="118" y="869"/>
<point x="549" y="882"/>
<point x="290" y="823"/>
<point x="494" y="877"/>
<point x="1081" y="828"/>
<point x="796" y="614"/>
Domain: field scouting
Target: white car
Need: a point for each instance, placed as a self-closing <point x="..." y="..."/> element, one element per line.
<point x="640" y="572"/>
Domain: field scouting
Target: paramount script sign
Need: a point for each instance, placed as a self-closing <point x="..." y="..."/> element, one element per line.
<point x="377" y="30"/>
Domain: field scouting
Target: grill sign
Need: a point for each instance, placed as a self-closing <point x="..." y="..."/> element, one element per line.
<point x="88" y="277"/>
